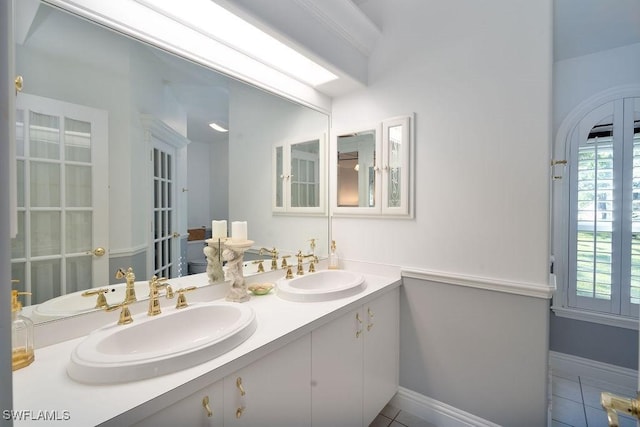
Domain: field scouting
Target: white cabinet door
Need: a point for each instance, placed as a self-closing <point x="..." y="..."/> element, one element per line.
<point x="272" y="392"/>
<point x="336" y="372"/>
<point x="381" y="353"/>
<point x="191" y="411"/>
<point x="355" y="364"/>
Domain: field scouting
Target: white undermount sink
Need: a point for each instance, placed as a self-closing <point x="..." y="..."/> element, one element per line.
<point x="323" y="285"/>
<point x="151" y="346"/>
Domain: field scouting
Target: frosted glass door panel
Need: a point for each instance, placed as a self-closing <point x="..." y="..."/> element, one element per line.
<point x="18" y="244"/>
<point x="165" y="257"/>
<point x="77" y="140"/>
<point x="46" y="279"/>
<point x="79" y="273"/>
<point x="78" y="232"/>
<point x="78" y="186"/>
<point x="44" y="136"/>
<point x="45" y="184"/>
<point x="395" y="166"/>
<point x="45" y="233"/>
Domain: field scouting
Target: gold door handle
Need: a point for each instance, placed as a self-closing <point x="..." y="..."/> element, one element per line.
<point x="19" y="82"/>
<point x="359" y="330"/>
<point x="613" y="404"/>
<point x="207" y="408"/>
<point x="100" y="251"/>
<point x="175" y="234"/>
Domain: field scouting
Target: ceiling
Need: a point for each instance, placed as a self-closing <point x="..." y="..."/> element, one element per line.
<point x="582" y="27"/>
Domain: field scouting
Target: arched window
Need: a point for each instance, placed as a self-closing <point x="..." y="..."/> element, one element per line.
<point x="597" y="213"/>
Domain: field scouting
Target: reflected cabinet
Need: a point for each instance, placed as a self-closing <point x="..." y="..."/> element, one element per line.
<point x="372" y="170"/>
<point x="299" y="177"/>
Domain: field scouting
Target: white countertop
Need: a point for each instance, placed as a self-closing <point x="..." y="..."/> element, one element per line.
<point x="45" y="386"/>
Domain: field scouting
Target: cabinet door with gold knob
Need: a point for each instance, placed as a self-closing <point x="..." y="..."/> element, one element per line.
<point x="273" y="391"/>
<point x="202" y="409"/>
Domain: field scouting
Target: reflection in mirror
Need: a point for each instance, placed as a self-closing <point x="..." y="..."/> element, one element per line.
<point x="216" y="175"/>
<point x="394" y="135"/>
<point x="305" y="174"/>
<point x="357" y="169"/>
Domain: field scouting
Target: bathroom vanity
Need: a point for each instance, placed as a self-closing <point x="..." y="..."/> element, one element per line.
<point x="307" y="363"/>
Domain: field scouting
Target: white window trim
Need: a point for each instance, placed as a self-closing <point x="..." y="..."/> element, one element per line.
<point x="560" y="219"/>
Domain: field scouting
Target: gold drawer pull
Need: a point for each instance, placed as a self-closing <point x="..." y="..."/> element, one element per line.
<point x="239" y="385"/>
<point x="239" y="411"/>
<point x="205" y="405"/>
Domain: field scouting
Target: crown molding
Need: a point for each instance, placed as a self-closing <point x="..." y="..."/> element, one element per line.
<point x="345" y="19"/>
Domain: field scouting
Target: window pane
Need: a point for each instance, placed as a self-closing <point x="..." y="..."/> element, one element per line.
<point x="79" y="273"/>
<point x="45" y="184"/>
<point x="77" y="140"/>
<point x="44" y="136"/>
<point x="78" y="186"/>
<point x="45" y="233"/>
<point x="78" y="231"/>
<point x="45" y="280"/>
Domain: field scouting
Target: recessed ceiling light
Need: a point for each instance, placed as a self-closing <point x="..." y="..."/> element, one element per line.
<point x="217" y="127"/>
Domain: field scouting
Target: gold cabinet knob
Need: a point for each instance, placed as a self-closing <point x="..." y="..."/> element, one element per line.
<point x="207" y="408"/>
<point x="239" y="411"/>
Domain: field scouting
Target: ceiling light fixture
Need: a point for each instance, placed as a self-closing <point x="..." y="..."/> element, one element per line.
<point x="217" y="127"/>
<point x="215" y="22"/>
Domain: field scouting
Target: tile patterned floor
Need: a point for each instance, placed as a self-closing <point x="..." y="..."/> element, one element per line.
<point x="394" y="417"/>
<point x="576" y="402"/>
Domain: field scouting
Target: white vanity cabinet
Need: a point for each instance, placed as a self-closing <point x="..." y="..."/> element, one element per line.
<point x="272" y="392"/>
<point x="355" y="364"/>
<point x="204" y="408"/>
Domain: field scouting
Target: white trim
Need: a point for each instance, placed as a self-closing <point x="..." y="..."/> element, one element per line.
<point x="436" y="412"/>
<point x="596" y="317"/>
<point x="544" y="291"/>
<point x="347" y="20"/>
<point x="163" y="131"/>
<point x="135" y="250"/>
<point x="567" y="365"/>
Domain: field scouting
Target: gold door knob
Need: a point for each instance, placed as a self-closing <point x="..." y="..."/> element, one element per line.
<point x="99" y="251"/>
<point x="175" y="234"/>
<point x="19" y="82"/>
<point x="205" y="405"/>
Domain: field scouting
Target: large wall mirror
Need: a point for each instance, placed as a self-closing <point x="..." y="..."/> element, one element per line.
<point x="158" y="168"/>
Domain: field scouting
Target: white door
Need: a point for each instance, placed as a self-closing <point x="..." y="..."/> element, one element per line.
<point x="165" y="236"/>
<point x="63" y="199"/>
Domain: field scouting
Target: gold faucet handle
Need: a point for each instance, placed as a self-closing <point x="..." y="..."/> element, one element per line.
<point x="260" y="266"/>
<point x="125" y="314"/>
<point x="613" y="404"/>
<point x="284" y="261"/>
<point x="101" y="301"/>
<point x="182" y="300"/>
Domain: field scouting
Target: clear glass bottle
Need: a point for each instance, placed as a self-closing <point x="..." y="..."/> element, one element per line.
<point x="21" y="335"/>
<point x="333" y="257"/>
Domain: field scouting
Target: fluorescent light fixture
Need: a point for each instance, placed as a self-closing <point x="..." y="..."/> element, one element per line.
<point x="217" y="127"/>
<point x="215" y="22"/>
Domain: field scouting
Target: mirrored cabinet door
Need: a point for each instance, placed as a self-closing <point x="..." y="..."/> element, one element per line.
<point x="299" y="178"/>
<point x="395" y="166"/>
<point x="372" y="170"/>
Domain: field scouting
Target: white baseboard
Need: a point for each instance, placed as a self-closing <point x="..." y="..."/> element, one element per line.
<point x="569" y="366"/>
<point x="436" y="412"/>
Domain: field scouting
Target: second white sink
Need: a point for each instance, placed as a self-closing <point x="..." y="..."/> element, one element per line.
<point x="153" y="346"/>
<point x="322" y="285"/>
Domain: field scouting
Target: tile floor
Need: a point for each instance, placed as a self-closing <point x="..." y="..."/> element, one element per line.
<point x="576" y="402"/>
<point x="394" y="417"/>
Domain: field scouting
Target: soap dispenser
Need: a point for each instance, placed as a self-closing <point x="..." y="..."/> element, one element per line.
<point x="21" y="334"/>
<point x="333" y="257"/>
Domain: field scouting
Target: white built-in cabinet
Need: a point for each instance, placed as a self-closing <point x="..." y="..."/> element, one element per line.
<point x="372" y="170"/>
<point x="299" y="176"/>
<point x="354" y="369"/>
<point x="340" y="374"/>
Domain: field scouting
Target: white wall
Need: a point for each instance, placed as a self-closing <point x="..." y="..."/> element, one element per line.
<point x="478" y="77"/>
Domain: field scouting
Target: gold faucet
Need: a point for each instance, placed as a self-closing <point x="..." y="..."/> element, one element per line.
<point x="274" y="256"/>
<point x="301" y="257"/>
<point x="155" y="285"/>
<point x="125" y="314"/>
<point x="130" y="292"/>
<point x="182" y="300"/>
<point x="101" y="302"/>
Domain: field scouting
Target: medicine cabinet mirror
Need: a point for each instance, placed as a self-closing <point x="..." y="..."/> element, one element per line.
<point x="299" y="177"/>
<point x="372" y="170"/>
